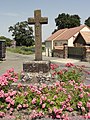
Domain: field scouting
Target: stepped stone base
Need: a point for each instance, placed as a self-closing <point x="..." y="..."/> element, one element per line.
<point x="36" y="66"/>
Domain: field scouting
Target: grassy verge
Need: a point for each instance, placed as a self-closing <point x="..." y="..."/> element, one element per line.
<point x="22" y="50"/>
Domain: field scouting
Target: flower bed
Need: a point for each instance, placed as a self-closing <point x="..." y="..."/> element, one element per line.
<point x="66" y="97"/>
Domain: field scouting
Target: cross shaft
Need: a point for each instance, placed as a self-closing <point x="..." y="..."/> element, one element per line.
<point x="38" y="21"/>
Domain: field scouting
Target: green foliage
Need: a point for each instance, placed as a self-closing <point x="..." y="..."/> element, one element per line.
<point x="8" y="40"/>
<point x="87" y="22"/>
<point x="22" y="33"/>
<point x="67" y="21"/>
<point x="22" y="50"/>
<point x="57" y="100"/>
<point x="72" y="73"/>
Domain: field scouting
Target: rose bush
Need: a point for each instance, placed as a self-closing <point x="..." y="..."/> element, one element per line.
<point x="59" y="100"/>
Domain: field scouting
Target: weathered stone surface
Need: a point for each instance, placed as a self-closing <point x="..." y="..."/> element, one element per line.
<point x="36" y="66"/>
<point x="38" y="21"/>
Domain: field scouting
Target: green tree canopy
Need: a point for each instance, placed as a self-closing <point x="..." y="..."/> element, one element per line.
<point x="87" y="22"/>
<point x="67" y="21"/>
<point x="22" y="33"/>
<point x="7" y="40"/>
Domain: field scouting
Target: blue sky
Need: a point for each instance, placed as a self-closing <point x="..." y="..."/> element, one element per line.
<point x="13" y="11"/>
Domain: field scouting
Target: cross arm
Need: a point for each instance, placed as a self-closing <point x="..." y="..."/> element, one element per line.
<point x="44" y="20"/>
<point x="31" y="20"/>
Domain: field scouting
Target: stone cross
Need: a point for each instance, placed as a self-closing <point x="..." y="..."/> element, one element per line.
<point x="38" y="21"/>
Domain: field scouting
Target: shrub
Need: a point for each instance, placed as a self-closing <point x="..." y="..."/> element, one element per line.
<point x="57" y="100"/>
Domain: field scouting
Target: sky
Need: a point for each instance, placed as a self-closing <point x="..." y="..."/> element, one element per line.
<point x="13" y="11"/>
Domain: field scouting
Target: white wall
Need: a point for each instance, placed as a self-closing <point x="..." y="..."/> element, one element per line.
<point x="48" y="46"/>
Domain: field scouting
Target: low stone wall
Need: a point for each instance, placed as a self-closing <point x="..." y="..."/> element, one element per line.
<point x="58" y="53"/>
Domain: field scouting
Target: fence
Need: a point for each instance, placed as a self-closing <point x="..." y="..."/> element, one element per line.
<point x="77" y="52"/>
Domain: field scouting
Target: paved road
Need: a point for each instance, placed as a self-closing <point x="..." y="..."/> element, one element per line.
<point x="14" y="60"/>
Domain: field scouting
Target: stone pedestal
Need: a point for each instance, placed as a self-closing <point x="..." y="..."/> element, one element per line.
<point x="36" y="66"/>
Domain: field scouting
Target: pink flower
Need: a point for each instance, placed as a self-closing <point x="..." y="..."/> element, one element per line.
<point x="8" y="106"/>
<point x="49" y="110"/>
<point x="11" y="109"/>
<point x="60" y="72"/>
<point x="6" y="94"/>
<point x="19" y="106"/>
<point x="25" y="105"/>
<point x="57" y="84"/>
<point x="88" y="86"/>
<point x="88" y="94"/>
<point x="55" y="96"/>
<point x="48" y="100"/>
<point x="3" y="80"/>
<point x="13" y="93"/>
<point x="41" y="113"/>
<point x="57" y="111"/>
<point x="83" y="109"/>
<point x="2" y="114"/>
<point x="69" y="65"/>
<point x="58" y="116"/>
<point x="34" y="100"/>
<point x="38" y="92"/>
<point x="81" y="95"/>
<point x="1" y="94"/>
<point x="25" y="93"/>
<point x="8" y="99"/>
<point x="12" y="102"/>
<point x="15" y="79"/>
<point x="10" y="70"/>
<point x="88" y="115"/>
<point x="44" y="85"/>
<point x="40" y="101"/>
<point x="43" y="98"/>
<point x="19" y="85"/>
<point x="69" y="97"/>
<point x="51" y="103"/>
<point x="43" y="105"/>
<point x="54" y="66"/>
<point x="88" y="105"/>
<point x="69" y="109"/>
<point x="79" y="104"/>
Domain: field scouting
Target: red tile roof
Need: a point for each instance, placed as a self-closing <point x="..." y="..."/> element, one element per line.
<point x="56" y="34"/>
<point x="65" y="34"/>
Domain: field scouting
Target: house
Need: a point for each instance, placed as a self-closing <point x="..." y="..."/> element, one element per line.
<point x="62" y="37"/>
<point x="82" y="39"/>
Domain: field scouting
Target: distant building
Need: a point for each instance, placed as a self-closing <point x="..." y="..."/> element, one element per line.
<point x="68" y="37"/>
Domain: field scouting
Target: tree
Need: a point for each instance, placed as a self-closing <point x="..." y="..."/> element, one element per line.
<point x="22" y="33"/>
<point x="8" y="41"/>
<point x="87" y="22"/>
<point x="67" y="21"/>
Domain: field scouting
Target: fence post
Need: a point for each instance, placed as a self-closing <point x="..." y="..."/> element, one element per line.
<point x="65" y="51"/>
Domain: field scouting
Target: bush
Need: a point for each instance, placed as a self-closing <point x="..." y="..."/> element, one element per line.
<point x="57" y="100"/>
